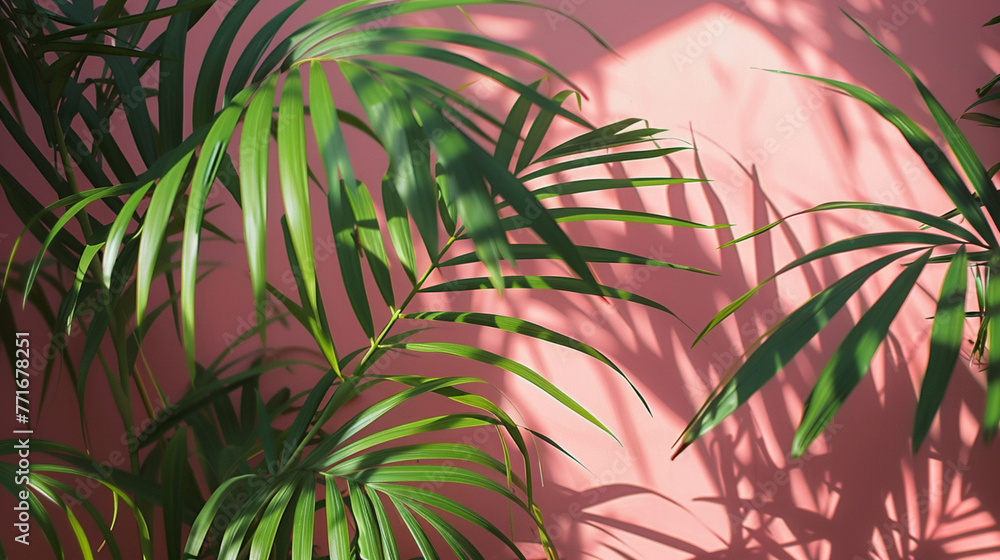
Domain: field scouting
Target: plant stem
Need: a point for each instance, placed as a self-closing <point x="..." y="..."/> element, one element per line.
<point x="359" y="369"/>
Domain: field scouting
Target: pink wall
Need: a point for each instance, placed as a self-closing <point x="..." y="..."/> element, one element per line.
<point x="690" y="67"/>
<point x="772" y="145"/>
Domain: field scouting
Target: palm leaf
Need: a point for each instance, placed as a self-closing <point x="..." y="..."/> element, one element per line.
<point x="784" y="342"/>
<point x="946" y="343"/>
<point x="852" y="358"/>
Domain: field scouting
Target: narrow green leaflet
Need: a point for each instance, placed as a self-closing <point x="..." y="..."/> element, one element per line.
<point x="337" y="464"/>
<point x="432" y="473"/>
<point x="305" y="518"/>
<point x="79" y="202"/>
<point x="389" y="549"/>
<point x="349" y="256"/>
<point x="866" y="241"/>
<point x="991" y="411"/>
<point x="580" y="186"/>
<point x="527" y="328"/>
<point x="946" y="344"/>
<point x="539" y="218"/>
<point x="341" y="184"/>
<point x="254" y="149"/>
<point x="616" y="157"/>
<point x="206" y="88"/>
<point x="267" y="527"/>
<point x="254" y="50"/>
<point x="81" y="536"/>
<point x="370" y="238"/>
<point x="117" y="232"/>
<point x="170" y="97"/>
<point x="529" y="251"/>
<point x="467" y="188"/>
<point x="137" y="113"/>
<point x="427" y="452"/>
<point x="422" y="51"/>
<point x="418" y="533"/>
<point x="205" y="171"/>
<point x="538" y="131"/>
<point x="105" y="24"/>
<point x="451" y="506"/>
<point x="398" y="224"/>
<point x="236" y="532"/>
<point x="337" y="530"/>
<point x="409" y="173"/>
<point x="171" y="480"/>
<point x="366" y="416"/>
<point x="70" y="303"/>
<point x="459" y="543"/>
<point x="511" y="131"/>
<point x="306" y="414"/>
<point x="562" y="215"/>
<point x="931" y="220"/>
<point x="294" y="182"/>
<point x="852" y="359"/>
<point x="608" y="136"/>
<point x="983" y="119"/>
<point x="367" y="525"/>
<point x="547" y="283"/>
<point x="516" y="368"/>
<point x="370" y="40"/>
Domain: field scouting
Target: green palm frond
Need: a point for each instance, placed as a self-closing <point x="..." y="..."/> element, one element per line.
<point x="949" y="243"/>
<point x="460" y="187"/>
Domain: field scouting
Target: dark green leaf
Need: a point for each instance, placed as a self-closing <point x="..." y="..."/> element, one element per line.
<point x="520" y="326"/>
<point x="784" y="342"/>
<point x="852" y="358"/>
<point x="946" y="343"/>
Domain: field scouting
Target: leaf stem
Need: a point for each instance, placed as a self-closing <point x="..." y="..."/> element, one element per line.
<point x="377" y="341"/>
<point x="359" y="368"/>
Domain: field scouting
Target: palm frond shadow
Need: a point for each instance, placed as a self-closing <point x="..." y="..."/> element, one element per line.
<point x="847" y="505"/>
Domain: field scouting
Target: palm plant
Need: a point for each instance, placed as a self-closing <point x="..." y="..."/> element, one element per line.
<point x="247" y="473"/>
<point x="934" y="239"/>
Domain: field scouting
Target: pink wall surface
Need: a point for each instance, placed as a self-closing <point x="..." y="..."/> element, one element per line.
<point x="771" y="145"/>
